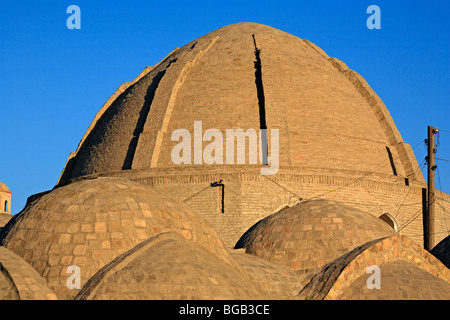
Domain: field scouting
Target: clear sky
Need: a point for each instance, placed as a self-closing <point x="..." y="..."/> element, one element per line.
<point x="54" y="80"/>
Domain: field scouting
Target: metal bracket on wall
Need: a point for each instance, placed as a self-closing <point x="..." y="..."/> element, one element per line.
<point x="220" y="184"/>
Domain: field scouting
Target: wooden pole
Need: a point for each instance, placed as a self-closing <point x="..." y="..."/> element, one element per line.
<point x="429" y="237"/>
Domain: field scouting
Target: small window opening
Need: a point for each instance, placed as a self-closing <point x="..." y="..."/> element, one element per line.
<point x="390" y="220"/>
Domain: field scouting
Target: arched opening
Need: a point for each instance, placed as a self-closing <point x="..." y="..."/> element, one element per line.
<point x="390" y="220"/>
<point x="6" y="206"/>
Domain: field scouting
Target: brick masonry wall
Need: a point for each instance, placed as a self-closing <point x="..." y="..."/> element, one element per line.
<point x="250" y="197"/>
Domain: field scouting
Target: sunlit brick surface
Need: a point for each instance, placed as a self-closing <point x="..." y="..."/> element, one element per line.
<point x="406" y="272"/>
<point x="19" y="281"/>
<point x="311" y="234"/>
<point x="89" y="223"/>
<point x="336" y="136"/>
<point x="169" y="267"/>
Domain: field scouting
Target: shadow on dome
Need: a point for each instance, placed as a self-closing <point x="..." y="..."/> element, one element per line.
<point x="168" y="267"/>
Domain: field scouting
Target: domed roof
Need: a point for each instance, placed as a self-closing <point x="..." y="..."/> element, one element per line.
<point x="323" y="110"/>
<point x="4" y="187"/>
<point x="309" y="235"/>
<point x="168" y="267"/>
<point x="407" y="272"/>
<point x="442" y="251"/>
<point x="89" y="223"/>
<point x="19" y="281"/>
<point x="406" y="282"/>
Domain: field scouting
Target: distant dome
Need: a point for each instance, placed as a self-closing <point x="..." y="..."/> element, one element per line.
<point x="168" y="267"/>
<point x="89" y="223"/>
<point x="311" y="234"/>
<point x="442" y="251"/>
<point x="4" y="187"/>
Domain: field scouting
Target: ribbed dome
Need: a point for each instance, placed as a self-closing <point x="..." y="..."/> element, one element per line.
<point x="311" y="234"/>
<point x="89" y="223"/>
<point x="318" y="105"/>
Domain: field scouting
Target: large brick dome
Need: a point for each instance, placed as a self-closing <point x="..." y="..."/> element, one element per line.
<point x="336" y="137"/>
<point x="321" y="108"/>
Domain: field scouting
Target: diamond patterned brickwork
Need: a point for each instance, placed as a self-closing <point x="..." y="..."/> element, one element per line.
<point x="169" y="267"/>
<point x="19" y="281"/>
<point x="89" y="223"/>
<point x="311" y="234"/>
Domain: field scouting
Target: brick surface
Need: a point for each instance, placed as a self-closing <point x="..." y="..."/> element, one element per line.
<point x="402" y="275"/>
<point x="270" y="238"/>
<point x="19" y="281"/>
<point x="333" y="129"/>
<point x="400" y="280"/>
<point x="168" y="266"/>
<point x="92" y="222"/>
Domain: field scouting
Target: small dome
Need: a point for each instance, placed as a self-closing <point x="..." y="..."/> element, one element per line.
<point x="442" y="251"/>
<point x="168" y="267"/>
<point x="4" y="187"/>
<point x="406" y="282"/>
<point x="19" y="281"/>
<point x="311" y="234"/>
<point x="90" y="222"/>
<point x="405" y="272"/>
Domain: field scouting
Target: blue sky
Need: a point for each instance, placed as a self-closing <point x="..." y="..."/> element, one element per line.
<point x="54" y="80"/>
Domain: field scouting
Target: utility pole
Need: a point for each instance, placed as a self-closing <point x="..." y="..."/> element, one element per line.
<point x="429" y="217"/>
